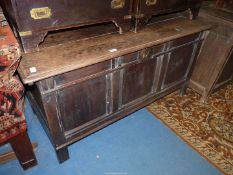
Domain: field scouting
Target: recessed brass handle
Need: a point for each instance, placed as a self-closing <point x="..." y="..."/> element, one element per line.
<point x="41" y="13"/>
<point x="117" y="4"/>
<point x="151" y="2"/>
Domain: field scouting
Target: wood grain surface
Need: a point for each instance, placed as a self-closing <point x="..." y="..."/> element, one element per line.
<point x="63" y="58"/>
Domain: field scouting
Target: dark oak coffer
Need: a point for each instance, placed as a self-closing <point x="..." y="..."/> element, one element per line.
<point x="33" y="19"/>
<point x="93" y="83"/>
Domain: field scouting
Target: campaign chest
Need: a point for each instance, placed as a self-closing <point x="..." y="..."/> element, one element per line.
<point x="92" y="83"/>
<point x="33" y="19"/>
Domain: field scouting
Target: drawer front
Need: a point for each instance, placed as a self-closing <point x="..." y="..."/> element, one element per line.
<point x="36" y="14"/>
<point x="153" y="7"/>
<point x="83" y="103"/>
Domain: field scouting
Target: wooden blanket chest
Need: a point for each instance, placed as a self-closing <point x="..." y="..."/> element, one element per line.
<point x="78" y="88"/>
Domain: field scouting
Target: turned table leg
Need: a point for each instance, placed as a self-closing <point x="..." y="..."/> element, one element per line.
<point x="62" y="154"/>
<point x="23" y="150"/>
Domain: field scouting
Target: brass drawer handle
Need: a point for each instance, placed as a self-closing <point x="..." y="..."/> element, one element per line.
<point x="41" y="13"/>
<point x="151" y="2"/>
<point x="117" y="4"/>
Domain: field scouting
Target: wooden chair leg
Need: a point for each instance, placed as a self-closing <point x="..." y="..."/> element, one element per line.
<point x="23" y="150"/>
<point x="10" y="155"/>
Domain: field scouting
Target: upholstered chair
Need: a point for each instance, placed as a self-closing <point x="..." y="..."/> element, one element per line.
<point x="13" y="128"/>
